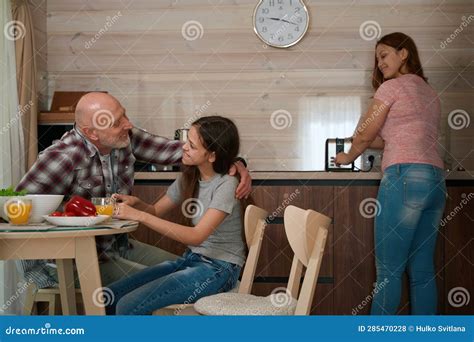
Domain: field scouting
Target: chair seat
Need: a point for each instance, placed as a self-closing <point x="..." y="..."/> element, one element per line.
<point x="235" y="304"/>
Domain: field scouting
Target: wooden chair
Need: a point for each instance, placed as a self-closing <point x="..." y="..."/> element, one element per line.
<point x="306" y="231"/>
<point x="47" y="295"/>
<point x="254" y="225"/>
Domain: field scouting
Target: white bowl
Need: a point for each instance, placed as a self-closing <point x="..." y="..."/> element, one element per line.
<point x="43" y="205"/>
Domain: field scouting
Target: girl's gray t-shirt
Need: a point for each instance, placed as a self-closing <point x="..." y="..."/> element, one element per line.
<point x="225" y="243"/>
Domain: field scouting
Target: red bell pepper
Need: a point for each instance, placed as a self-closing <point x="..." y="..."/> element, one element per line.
<point x="80" y="207"/>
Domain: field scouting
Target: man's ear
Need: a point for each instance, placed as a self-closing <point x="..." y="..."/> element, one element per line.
<point x="90" y="133"/>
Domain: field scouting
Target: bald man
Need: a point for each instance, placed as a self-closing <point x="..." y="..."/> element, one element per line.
<point x="95" y="159"/>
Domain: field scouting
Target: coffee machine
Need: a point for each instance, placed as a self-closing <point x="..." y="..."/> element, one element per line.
<point x="333" y="147"/>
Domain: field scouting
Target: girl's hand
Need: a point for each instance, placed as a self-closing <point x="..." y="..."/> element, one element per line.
<point x="126" y="199"/>
<point x="342" y="158"/>
<point x="126" y="212"/>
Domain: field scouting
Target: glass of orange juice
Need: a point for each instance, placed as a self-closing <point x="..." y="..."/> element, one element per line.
<point x="18" y="210"/>
<point x="103" y="205"/>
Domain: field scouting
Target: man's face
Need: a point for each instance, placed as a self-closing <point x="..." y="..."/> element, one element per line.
<point x="112" y="127"/>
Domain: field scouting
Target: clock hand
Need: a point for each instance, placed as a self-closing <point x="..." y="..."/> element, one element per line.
<point x="278" y="19"/>
<point x="289" y="22"/>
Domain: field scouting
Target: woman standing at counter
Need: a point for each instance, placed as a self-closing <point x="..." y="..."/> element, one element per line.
<point x="403" y="119"/>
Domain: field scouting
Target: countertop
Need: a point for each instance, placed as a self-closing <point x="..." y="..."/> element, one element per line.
<point x="307" y="175"/>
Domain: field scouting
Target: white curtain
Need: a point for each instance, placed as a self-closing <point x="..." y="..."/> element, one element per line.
<point x="12" y="159"/>
<point x="326" y="117"/>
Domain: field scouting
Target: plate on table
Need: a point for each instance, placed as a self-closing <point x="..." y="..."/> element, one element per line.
<point x="76" y="221"/>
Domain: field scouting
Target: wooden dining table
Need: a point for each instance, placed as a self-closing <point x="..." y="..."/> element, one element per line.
<point x="65" y="246"/>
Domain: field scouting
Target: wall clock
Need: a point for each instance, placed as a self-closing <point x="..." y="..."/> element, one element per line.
<point x="281" y="23"/>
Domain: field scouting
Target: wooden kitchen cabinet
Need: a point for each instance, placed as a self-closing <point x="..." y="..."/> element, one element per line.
<point x="347" y="273"/>
<point x="353" y="249"/>
<point x="276" y="255"/>
<point x="354" y="252"/>
<point x="457" y="267"/>
<point x="150" y="194"/>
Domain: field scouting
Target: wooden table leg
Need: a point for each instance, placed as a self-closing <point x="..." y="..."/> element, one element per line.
<point x="89" y="276"/>
<point x="67" y="289"/>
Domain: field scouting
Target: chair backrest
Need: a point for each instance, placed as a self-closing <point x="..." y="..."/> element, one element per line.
<point x="254" y="224"/>
<point x="307" y="232"/>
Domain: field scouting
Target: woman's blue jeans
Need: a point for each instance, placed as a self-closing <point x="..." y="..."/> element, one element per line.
<point x="182" y="281"/>
<point x="412" y="199"/>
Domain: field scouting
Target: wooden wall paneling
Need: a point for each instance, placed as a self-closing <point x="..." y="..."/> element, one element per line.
<point x="143" y="60"/>
<point x="240" y="16"/>
<point x="89" y="60"/>
<point x="301" y="83"/>
<point x="78" y="5"/>
<point x="38" y="11"/>
<point x="242" y="40"/>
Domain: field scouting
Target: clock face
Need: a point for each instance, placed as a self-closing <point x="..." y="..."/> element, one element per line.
<point x="281" y="23"/>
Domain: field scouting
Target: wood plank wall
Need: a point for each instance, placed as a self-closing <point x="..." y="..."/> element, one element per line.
<point x="164" y="80"/>
<point x="38" y="14"/>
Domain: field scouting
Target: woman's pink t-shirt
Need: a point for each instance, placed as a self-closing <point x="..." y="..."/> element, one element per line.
<point x="411" y="129"/>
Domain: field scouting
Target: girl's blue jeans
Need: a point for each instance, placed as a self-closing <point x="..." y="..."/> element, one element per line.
<point x="412" y="199"/>
<point x="182" y="281"/>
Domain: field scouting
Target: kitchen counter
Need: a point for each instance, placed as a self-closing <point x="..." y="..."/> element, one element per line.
<point x="304" y="175"/>
<point x="345" y="197"/>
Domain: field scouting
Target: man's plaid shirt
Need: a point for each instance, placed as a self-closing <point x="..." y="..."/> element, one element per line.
<point x="71" y="166"/>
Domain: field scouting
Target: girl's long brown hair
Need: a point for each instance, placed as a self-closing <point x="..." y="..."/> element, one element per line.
<point x="218" y="135"/>
<point x="398" y="41"/>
